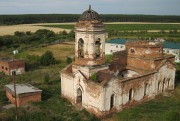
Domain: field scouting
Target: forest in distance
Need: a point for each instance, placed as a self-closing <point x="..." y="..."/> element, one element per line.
<point x="61" y="18"/>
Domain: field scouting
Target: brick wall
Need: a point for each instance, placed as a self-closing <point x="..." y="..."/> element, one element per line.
<point x="7" y="66"/>
<point x="36" y="97"/>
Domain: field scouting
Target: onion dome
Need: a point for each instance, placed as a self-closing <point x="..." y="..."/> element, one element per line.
<point x="89" y="15"/>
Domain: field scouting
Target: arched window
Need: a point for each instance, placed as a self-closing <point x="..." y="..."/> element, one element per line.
<point x="81" y="48"/>
<point x="112" y="101"/>
<point x="97" y="47"/>
<point x="145" y="89"/>
<point x="132" y="50"/>
<point x="130" y="94"/>
<point x="79" y="96"/>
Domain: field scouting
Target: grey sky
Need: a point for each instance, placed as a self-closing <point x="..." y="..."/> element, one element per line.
<point x="155" y="7"/>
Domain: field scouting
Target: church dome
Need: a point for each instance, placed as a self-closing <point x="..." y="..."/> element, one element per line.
<point x="89" y="15"/>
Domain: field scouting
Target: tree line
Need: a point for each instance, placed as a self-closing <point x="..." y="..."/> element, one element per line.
<point x="59" y="18"/>
<point x="41" y="36"/>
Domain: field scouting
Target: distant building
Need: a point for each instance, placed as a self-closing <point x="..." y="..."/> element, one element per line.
<point x="172" y="48"/>
<point x="115" y="45"/>
<point x="24" y="94"/>
<point x="138" y="73"/>
<point x="15" y="52"/>
<point x="9" y="65"/>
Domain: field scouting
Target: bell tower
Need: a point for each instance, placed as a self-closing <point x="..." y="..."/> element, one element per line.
<point x="89" y="39"/>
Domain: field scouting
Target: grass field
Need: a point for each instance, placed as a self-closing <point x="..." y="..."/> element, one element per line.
<point x="121" y="26"/>
<point x="128" y="27"/>
<point x="9" y="30"/>
<point x="60" y="51"/>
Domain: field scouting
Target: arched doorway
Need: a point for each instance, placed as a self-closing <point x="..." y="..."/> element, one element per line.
<point x="112" y="101"/>
<point x="81" y="48"/>
<point x="130" y="94"/>
<point x="168" y="83"/>
<point x="97" y="47"/>
<point x="159" y="84"/>
<point x="163" y="85"/>
<point x="79" y="96"/>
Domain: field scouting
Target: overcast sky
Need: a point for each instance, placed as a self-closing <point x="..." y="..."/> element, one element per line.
<point x="155" y="7"/>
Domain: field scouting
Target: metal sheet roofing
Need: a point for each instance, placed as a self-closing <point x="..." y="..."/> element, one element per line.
<point x="23" y="88"/>
<point x="172" y="45"/>
<point x="166" y="44"/>
<point x="117" y="41"/>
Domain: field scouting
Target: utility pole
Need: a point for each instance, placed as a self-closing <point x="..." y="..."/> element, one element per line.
<point x="14" y="73"/>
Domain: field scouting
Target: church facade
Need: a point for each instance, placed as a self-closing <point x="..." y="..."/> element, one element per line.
<point x="137" y="74"/>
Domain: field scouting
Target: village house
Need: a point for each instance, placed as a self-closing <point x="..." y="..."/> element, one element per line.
<point x="24" y="93"/>
<point x="11" y="66"/>
<point x="137" y="74"/>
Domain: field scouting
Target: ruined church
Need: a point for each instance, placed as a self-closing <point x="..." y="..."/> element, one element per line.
<point x="137" y="74"/>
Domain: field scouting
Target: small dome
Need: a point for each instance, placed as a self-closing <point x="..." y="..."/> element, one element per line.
<point x="89" y="15"/>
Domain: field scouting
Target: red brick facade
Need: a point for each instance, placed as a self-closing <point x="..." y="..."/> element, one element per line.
<point x="24" y="99"/>
<point x="9" y="65"/>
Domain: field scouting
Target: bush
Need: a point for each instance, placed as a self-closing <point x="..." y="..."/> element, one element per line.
<point x="94" y="77"/>
<point x="68" y="60"/>
<point x="47" y="58"/>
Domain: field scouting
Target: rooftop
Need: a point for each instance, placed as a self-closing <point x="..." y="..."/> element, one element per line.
<point x="89" y="15"/>
<point x="166" y="44"/>
<point x="172" y="45"/>
<point x="23" y="88"/>
<point x="117" y="41"/>
<point x="6" y="59"/>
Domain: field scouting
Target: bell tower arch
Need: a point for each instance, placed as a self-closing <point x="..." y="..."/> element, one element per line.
<point x="89" y="39"/>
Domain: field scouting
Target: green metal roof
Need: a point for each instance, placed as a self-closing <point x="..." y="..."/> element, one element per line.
<point x="117" y="41"/>
<point x="166" y="44"/>
<point x="172" y="45"/>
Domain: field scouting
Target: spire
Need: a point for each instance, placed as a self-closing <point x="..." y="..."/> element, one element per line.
<point x="89" y="7"/>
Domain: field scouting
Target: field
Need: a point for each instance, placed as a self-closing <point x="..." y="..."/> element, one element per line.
<point x="9" y="30"/>
<point x="120" y="26"/>
<point x="60" y="51"/>
<point x="129" y="27"/>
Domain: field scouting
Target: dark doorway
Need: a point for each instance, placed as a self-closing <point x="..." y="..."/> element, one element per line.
<point x="112" y="101"/>
<point x="163" y="85"/>
<point x="79" y="96"/>
<point x="145" y="89"/>
<point x="168" y="83"/>
<point x="14" y="73"/>
<point x="130" y="94"/>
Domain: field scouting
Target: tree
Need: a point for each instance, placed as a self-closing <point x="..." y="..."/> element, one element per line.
<point x="68" y="60"/>
<point x="47" y="58"/>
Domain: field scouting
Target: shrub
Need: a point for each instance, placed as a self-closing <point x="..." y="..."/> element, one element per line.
<point x="68" y="60"/>
<point x="94" y="77"/>
<point x="47" y="58"/>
